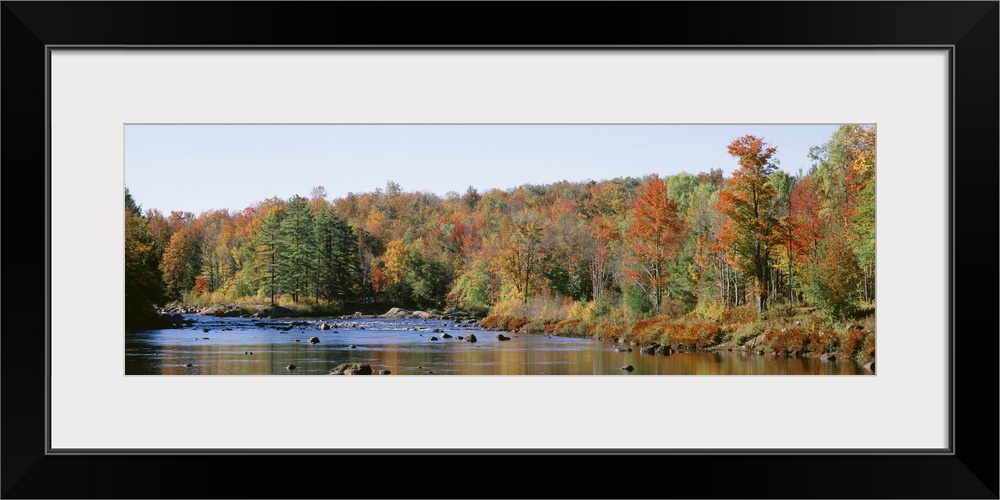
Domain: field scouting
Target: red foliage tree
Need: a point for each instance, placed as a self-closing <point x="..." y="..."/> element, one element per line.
<point x="655" y="236"/>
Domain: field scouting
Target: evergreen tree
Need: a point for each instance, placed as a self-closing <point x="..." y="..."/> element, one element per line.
<point x="296" y="251"/>
<point x="268" y="244"/>
<point x="336" y="257"/>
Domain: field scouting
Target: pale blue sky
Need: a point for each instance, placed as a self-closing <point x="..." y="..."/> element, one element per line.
<point x="199" y="167"/>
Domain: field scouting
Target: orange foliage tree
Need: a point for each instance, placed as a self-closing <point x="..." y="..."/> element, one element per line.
<point x="656" y="235"/>
<point x="745" y="200"/>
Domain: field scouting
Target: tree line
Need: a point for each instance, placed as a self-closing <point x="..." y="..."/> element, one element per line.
<point x="638" y="246"/>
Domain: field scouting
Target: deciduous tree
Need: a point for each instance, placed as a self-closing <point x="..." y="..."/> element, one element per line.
<point x="654" y="237"/>
<point x="143" y="282"/>
<point x="746" y="200"/>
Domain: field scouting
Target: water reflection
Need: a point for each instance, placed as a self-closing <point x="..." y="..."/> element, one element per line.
<point x="241" y="346"/>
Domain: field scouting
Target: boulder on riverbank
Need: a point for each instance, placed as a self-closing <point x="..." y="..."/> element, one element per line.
<point x="352" y="369"/>
<point x="396" y="313"/>
<point x="221" y="310"/>
<point x="400" y="313"/>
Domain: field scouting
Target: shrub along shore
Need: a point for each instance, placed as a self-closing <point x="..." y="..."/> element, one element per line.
<point x="782" y="331"/>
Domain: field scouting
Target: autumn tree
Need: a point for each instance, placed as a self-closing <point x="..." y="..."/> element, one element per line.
<point x="602" y="245"/>
<point x="393" y="264"/>
<point x="181" y="263"/>
<point x="217" y="259"/>
<point x="746" y="201"/>
<point x="807" y="221"/>
<point x="471" y="198"/>
<point x="143" y="283"/>
<point x="162" y="229"/>
<point x="520" y="241"/>
<point x="860" y="148"/>
<point x="782" y="235"/>
<point x="835" y="285"/>
<point x="654" y="237"/>
<point x="240" y="242"/>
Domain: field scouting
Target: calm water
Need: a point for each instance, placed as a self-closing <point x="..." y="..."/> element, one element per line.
<point x="403" y="347"/>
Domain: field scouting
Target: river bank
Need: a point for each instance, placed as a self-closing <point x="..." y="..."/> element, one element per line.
<point x="792" y="332"/>
<point x="216" y="345"/>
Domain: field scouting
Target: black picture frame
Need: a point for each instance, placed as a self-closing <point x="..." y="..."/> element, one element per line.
<point x="969" y="470"/>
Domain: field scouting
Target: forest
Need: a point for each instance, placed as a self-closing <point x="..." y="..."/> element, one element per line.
<point x="623" y="256"/>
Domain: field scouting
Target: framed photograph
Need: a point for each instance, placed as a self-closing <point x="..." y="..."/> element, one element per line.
<point x="349" y="202"/>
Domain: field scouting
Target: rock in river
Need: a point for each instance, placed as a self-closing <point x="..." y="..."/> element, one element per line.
<point x="290" y="367"/>
<point x="500" y="336"/>
<point x="628" y="368"/>
<point x="313" y="340"/>
<point x="351" y="369"/>
<point x="445" y="336"/>
<point x="650" y="349"/>
<point x="470" y="338"/>
<point x="384" y="372"/>
<point x="433" y="338"/>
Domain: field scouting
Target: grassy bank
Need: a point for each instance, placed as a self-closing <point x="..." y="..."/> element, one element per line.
<point x="218" y="305"/>
<point x="787" y="331"/>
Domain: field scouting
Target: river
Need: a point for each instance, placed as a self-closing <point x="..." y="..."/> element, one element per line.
<point x="250" y="346"/>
